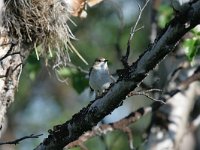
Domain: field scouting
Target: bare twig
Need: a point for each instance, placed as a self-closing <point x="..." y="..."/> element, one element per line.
<point x="2" y="76"/>
<point x="119" y="125"/>
<point x="140" y="28"/>
<point x="69" y="65"/>
<point x="134" y="29"/>
<point x="59" y="78"/>
<point x="77" y="68"/>
<point x="146" y="94"/>
<point x="19" y="65"/>
<point x="12" y="44"/>
<point x="188" y="81"/>
<point x="154" y="27"/>
<point x="127" y="130"/>
<point x="21" y="139"/>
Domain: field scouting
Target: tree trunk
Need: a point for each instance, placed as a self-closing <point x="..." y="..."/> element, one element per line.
<point x="12" y="56"/>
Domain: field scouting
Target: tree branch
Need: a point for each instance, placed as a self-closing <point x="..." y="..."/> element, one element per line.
<point x="10" y="58"/>
<point x="21" y="139"/>
<point x="119" y="125"/>
<point x="137" y="115"/>
<point x="134" y="29"/>
<point x="89" y="116"/>
<point x="171" y="120"/>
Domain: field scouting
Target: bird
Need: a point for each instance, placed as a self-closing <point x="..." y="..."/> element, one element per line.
<point x="99" y="76"/>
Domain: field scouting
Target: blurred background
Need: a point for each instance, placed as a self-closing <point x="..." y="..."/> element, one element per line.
<point x="48" y="97"/>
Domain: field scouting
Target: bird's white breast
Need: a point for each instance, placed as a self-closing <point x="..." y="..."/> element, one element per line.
<point x="99" y="79"/>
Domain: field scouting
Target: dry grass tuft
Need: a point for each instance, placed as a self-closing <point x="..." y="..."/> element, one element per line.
<point x="44" y="23"/>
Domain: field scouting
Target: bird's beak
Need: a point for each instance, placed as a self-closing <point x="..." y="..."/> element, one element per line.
<point x="105" y="60"/>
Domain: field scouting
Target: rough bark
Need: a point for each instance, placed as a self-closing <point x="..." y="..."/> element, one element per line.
<point x="61" y="135"/>
<point x="12" y="56"/>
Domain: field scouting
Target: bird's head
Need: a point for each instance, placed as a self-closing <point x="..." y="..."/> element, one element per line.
<point x="101" y="63"/>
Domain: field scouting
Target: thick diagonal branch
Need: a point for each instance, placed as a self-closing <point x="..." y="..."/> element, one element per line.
<point x="88" y="117"/>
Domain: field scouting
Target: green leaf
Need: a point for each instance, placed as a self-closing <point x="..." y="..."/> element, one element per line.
<point x="165" y="15"/>
<point x="195" y="31"/>
<point x="33" y="66"/>
<point x="66" y="72"/>
<point x="79" y="82"/>
<point x="191" y="47"/>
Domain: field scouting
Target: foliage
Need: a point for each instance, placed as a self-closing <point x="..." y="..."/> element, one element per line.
<point x="165" y="14"/>
<point x="33" y="66"/>
<point x="192" y="45"/>
<point x="79" y="82"/>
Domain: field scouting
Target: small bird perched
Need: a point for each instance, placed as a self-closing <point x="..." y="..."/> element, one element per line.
<point x="99" y="76"/>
